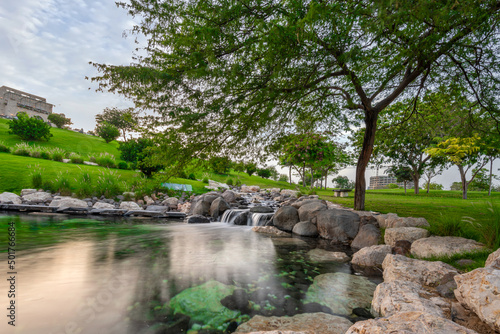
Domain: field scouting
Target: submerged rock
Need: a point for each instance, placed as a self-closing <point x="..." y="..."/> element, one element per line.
<point x="321" y="255"/>
<point x="341" y="292"/>
<point x="317" y="323"/>
<point x="270" y="230"/>
<point x="197" y="219"/>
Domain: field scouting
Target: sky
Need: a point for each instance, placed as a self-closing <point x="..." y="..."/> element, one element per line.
<point x="46" y="47"/>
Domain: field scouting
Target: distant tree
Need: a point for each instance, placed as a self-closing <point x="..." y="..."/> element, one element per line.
<point x="343" y="182"/>
<point x="401" y="173"/>
<point x="29" y="128"/>
<point x="283" y="178"/>
<point x="457" y="186"/>
<point x="482" y="180"/>
<point x="59" y="120"/>
<point x="219" y="165"/>
<point x="239" y="166"/>
<point x="123" y="119"/>
<point x="250" y="168"/>
<point x="264" y="173"/>
<point x="434" y="186"/>
<point x="107" y="131"/>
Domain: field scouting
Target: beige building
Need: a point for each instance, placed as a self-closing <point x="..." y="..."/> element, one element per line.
<point x="380" y="182"/>
<point x="13" y="101"/>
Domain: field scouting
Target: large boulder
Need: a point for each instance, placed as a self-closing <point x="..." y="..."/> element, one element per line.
<point x="317" y="323"/>
<point x="242" y="218"/>
<point x="261" y="209"/>
<point x="409" y="323"/>
<point x="302" y="201"/>
<point x="289" y="192"/>
<point x="404" y="233"/>
<point x="371" y="256"/>
<point x="310" y="210"/>
<point x="305" y="229"/>
<point x="209" y="197"/>
<point x="250" y="189"/>
<point x="340" y="226"/>
<point x="229" y="196"/>
<point x="68" y="202"/>
<point x="218" y="207"/>
<point x="285" y="218"/>
<point x="425" y="273"/>
<point x="368" y="235"/>
<point x="10" y="198"/>
<point x="103" y="205"/>
<point x="443" y="246"/>
<point x="158" y="208"/>
<point x="479" y="291"/>
<point x="171" y="202"/>
<point x="270" y="230"/>
<point x="493" y="260"/>
<point x="129" y="205"/>
<point x="197" y="219"/>
<point x="25" y="192"/>
<point x="37" y="197"/>
<point x="404" y="296"/>
<point x="341" y="292"/>
<point x="201" y="207"/>
<point x="395" y="221"/>
<point x="321" y="255"/>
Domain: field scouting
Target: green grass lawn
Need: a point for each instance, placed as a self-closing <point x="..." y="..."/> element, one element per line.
<point x="65" y="139"/>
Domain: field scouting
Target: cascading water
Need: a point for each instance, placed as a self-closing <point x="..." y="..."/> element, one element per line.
<point x="252" y="218"/>
<point x="258" y="219"/>
<point x="229" y="216"/>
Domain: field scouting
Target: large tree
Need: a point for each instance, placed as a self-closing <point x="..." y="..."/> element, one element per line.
<point x="233" y="73"/>
<point x="123" y="119"/>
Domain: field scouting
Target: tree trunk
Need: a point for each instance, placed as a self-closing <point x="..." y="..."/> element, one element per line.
<point x="404" y="183"/>
<point x="304" y="176"/>
<point x="312" y="178"/>
<point x="364" y="157"/>
<point x="491" y="176"/>
<point x="428" y="185"/>
<point x="416" y="179"/>
<point x="290" y="175"/>
<point x="464" y="181"/>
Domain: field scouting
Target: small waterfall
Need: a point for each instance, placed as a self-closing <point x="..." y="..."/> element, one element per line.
<point x="258" y="219"/>
<point x="230" y="215"/>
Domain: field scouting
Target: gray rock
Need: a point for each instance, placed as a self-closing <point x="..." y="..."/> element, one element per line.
<point x="25" y="192"/>
<point x="321" y="255"/>
<point x="103" y="205"/>
<point x="261" y="209"/>
<point x="229" y="196"/>
<point x="298" y="203"/>
<point x="218" y="207"/>
<point x="37" y="197"/>
<point x="493" y="260"/>
<point x="159" y="208"/>
<point x="270" y="230"/>
<point x="372" y="256"/>
<point x="210" y="197"/>
<point x="201" y="207"/>
<point x="395" y="221"/>
<point x="197" y="219"/>
<point x="439" y="246"/>
<point x="7" y="197"/>
<point x="286" y="218"/>
<point x="310" y="210"/>
<point x="68" y="202"/>
<point x="404" y="233"/>
<point x="368" y="235"/>
<point x="129" y="205"/>
<point x="305" y="229"/>
<point x="171" y="202"/>
<point x="340" y="226"/>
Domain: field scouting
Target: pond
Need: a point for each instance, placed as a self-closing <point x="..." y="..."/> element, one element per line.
<point x="80" y="275"/>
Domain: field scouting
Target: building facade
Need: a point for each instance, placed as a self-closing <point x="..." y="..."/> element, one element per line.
<point x="13" y="101"/>
<point x="381" y="182"/>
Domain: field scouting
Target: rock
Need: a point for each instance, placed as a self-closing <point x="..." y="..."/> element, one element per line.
<point x="103" y="205"/>
<point x="237" y="301"/>
<point x="197" y="219"/>
<point x="465" y="262"/>
<point x="340" y="226"/>
<point x="425" y="273"/>
<point x="469" y="319"/>
<point x="140" y="202"/>
<point x="277" y="332"/>
<point x="321" y="255"/>
<point x="261" y="209"/>
<point x="90" y="163"/>
<point x="129" y="205"/>
<point x="159" y="208"/>
<point x="128" y="195"/>
<point x="317" y="323"/>
<point x="402" y="247"/>
<point x="67" y="202"/>
<point x="289" y="192"/>
<point x="493" y="260"/>
<point x="241" y="219"/>
<point x="209" y="197"/>
<point x="479" y="291"/>
<point x="66" y="161"/>
<point x="310" y="210"/>
<point x="7" y="197"/>
<point x="367" y="219"/>
<point x="285" y="218"/>
<point x="214" y="185"/>
<point x="200" y="207"/>
<point x="274" y="190"/>
<point x="372" y="256"/>
<point x="395" y="221"/>
<point x="184" y="207"/>
<point x="409" y="323"/>
<point x="25" y="192"/>
<point x="202" y="304"/>
<point x="289" y="242"/>
<point x="148" y="200"/>
<point x="440" y="246"/>
<point x="404" y="233"/>
<point x="305" y="229"/>
<point x="171" y="202"/>
<point x="37" y="197"/>
<point x="402" y="296"/>
<point x="298" y="203"/>
<point x="270" y="230"/>
<point x="341" y="292"/>
<point x="229" y="196"/>
<point x="218" y="207"/>
<point x="368" y="235"/>
<point x="250" y="189"/>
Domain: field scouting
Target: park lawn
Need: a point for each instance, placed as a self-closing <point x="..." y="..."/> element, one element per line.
<point x="67" y="140"/>
<point x="253" y="180"/>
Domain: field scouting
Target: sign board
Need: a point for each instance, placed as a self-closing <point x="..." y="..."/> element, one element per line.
<point x="177" y="186"/>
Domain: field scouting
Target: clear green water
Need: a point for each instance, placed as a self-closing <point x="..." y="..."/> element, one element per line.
<point x="143" y="276"/>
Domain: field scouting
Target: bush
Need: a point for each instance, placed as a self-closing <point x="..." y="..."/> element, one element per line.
<point x="63" y="184"/>
<point x="45" y="155"/>
<point x="59" y="120"/>
<point x="106" y="160"/>
<point x="264" y="173"/>
<point x="205" y="180"/>
<point x="250" y="168"/>
<point x="122" y="165"/>
<point x="49" y="186"/>
<point x="85" y="188"/>
<point x="36" y="179"/>
<point x="29" y="128"/>
<point x="107" y="131"/>
<point x="76" y="158"/>
<point x="57" y="154"/>
<point x="22" y="149"/>
<point x="4" y="148"/>
<point x="392" y="186"/>
<point x="192" y="176"/>
<point x="108" y="184"/>
<point x="435" y="186"/>
<point x="237" y="183"/>
<point x="219" y="165"/>
<point x="229" y="182"/>
<point x="283" y="178"/>
<point x="145" y="187"/>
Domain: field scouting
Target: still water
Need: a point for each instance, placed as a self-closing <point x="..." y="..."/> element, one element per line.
<point x="143" y="276"/>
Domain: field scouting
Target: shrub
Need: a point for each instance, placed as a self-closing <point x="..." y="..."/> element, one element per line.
<point x="36" y="179"/>
<point x="205" y="180"/>
<point x="264" y="173"/>
<point x="45" y="155"/>
<point x="63" y="184"/>
<point x="59" y="120"/>
<point x="192" y="176"/>
<point x="122" y="165"/>
<point x="237" y="183"/>
<point x="85" y="188"/>
<point x="392" y="186"/>
<point x="311" y="192"/>
<point x="76" y="158"/>
<point x="106" y="160"/>
<point x="449" y="225"/>
<point x="29" y="128"/>
<point x="57" y="154"/>
<point x="22" y="149"/>
<point x="219" y="165"/>
<point x="283" y="178"/>
<point x="107" y="131"/>
<point x="49" y="186"/>
<point x="4" y="148"/>
<point x="250" y="168"/>
<point x="145" y="187"/>
<point x="229" y="182"/>
<point x="109" y="185"/>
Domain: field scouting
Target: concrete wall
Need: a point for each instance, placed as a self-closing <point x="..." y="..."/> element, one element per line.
<point x="13" y="101"/>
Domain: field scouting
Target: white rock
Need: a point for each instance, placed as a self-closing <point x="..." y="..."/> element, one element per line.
<point x="66" y="160"/>
<point x="28" y="191"/>
<point x="372" y="256"/>
<point x="129" y="205"/>
<point x="37" y="197"/>
<point x="67" y="202"/>
<point x="493" y="260"/>
<point x="479" y="291"/>
<point x="409" y="323"/>
<point x="7" y="197"/>
<point x="270" y="230"/>
<point x="185" y="207"/>
<point x="90" y="163"/>
<point x="425" y="273"/>
<point x="290" y="192"/>
<point x="443" y="246"/>
<point x="395" y="221"/>
<point x="321" y="255"/>
<point x="214" y="185"/>
<point x="103" y="205"/>
<point x="404" y="233"/>
<point x="250" y="189"/>
<point x="402" y="296"/>
<point x="171" y="201"/>
<point x="148" y="200"/>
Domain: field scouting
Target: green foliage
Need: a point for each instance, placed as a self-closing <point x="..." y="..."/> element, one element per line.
<point x="57" y="154"/>
<point x="22" y="149"/>
<point x="109" y="184"/>
<point x="63" y="184"/>
<point x="392" y="186"/>
<point x="122" y="165"/>
<point x="436" y="186"/>
<point x="76" y="158"/>
<point x="59" y="120"/>
<point x="343" y="182"/>
<point x="205" y="180"/>
<point x="107" y="131"/>
<point x="481" y="181"/>
<point x="264" y="173"/>
<point x="237" y="183"/>
<point x="239" y="166"/>
<point x="250" y="168"/>
<point x="85" y="187"/>
<point x="36" y="178"/>
<point x="219" y="165"/>
<point x="283" y="178"/>
<point x="136" y="151"/>
<point x="229" y="182"/>
<point x="29" y="128"/>
<point x="478" y="258"/>
<point x="122" y="119"/>
<point x="106" y="160"/>
<point x="488" y="227"/>
<point x="450" y="225"/>
<point x="4" y="148"/>
<point x="191" y="176"/>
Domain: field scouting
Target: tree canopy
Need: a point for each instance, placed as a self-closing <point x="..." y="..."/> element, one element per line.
<point x="235" y="74"/>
